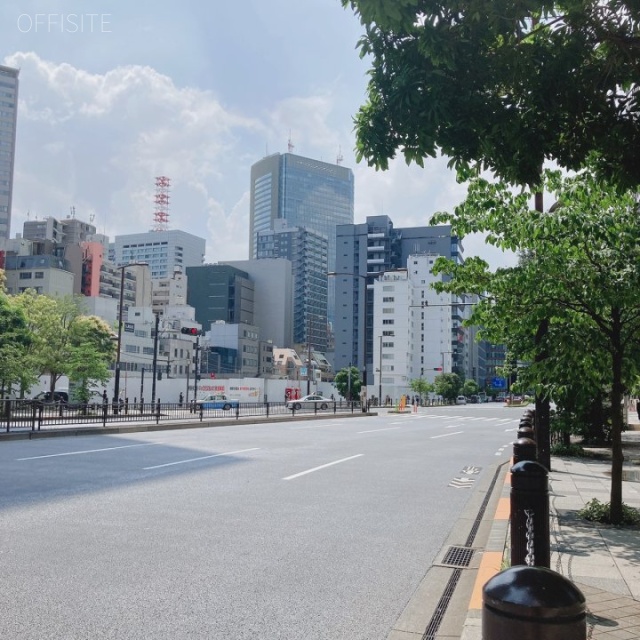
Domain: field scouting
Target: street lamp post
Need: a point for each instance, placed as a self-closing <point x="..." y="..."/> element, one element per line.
<point x="380" y="376"/>
<point x="116" y="384"/>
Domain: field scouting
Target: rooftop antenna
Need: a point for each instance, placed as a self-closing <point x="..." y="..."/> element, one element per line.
<point x="92" y="217"/>
<point x="73" y="212"/>
<point x="161" y="214"/>
<point x="339" y="159"/>
<point x="290" y="146"/>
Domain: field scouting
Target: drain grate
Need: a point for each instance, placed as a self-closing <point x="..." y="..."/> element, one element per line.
<point x="458" y="556"/>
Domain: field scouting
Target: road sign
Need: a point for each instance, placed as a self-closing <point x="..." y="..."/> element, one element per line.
<point x="498" y="383"/>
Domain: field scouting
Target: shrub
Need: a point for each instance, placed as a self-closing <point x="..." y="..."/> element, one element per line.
<point x="571" y="450"/>
<point x="596" y="511"/>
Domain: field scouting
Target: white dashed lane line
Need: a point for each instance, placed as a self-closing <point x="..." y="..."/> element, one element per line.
<point x="215" y="455"/>
<point x="77" y="453"/>
<point x="445" y="435"/>
<point x="375" y="430"/>
<point x="323" y="466"/>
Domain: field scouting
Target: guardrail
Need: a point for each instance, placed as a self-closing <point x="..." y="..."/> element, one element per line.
<point x="32" y="415"/>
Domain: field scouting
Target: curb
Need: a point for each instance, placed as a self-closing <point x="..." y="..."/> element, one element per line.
<point x="419" y="613"/>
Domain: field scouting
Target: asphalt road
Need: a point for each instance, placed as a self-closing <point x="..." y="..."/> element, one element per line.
<point x="316" y="530"/>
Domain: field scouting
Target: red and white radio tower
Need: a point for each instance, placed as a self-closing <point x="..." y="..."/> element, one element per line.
<point x="161" y="214"/>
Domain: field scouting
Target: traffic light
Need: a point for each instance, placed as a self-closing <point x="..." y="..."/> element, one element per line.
<point x="191" y="331"/>
<point x="437" y="368"/>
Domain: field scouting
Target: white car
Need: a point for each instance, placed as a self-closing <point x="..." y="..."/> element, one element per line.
<point x="461" y="400"/>
<point x="310" y="402"/>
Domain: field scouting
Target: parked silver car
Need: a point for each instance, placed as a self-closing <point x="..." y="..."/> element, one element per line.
<point x="310" y="402"/>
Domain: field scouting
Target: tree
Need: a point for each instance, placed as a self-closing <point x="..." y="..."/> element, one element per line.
<point x="507" y="85"/>
<point x="448" y="386"/>
<point x="65" y="342"/>
<point x="15" y="340"/>
<point x="421" y="387"/>
<point x="470" y="388"/>
<point x="91" y="351"/>
<point x="580" y="269"/>
<point x="348" y="382"/>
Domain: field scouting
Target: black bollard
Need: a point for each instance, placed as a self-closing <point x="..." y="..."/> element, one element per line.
<point x="526" y="431"/>
<point x="529" y="518"/>
<point x="532" y="603"/>
<point x="524" y="449"/>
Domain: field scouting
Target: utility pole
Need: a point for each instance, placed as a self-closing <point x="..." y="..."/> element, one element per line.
<point x="196" y="376"/>
<point x="155" y="358"/>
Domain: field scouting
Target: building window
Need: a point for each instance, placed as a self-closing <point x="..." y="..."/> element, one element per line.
<point x="39" y="275"/>
<point x="386" y="321"/>
<point x="25" y="275"/>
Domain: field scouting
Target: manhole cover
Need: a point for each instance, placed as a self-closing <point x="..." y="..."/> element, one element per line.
<point x="458" y="556"/>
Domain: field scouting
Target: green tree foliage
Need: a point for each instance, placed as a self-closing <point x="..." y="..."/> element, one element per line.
<point x="92" y="350"/>
<point x="65" y="342"/>
<point x="470" y="388"/>
<point x="49" y="320"/>
<point x="580" y="269"/>
<point x="15" y="340"/>
<point x="348" y="379"/>
<point x="448" y="386"/>
<point x="421" y="387"/>
<point x="507" y="85"/>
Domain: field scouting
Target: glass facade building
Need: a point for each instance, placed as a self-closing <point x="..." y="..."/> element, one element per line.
<point x="8" y="121"/>
<point x="307" y="251"/>
<point x="308" y="194"/>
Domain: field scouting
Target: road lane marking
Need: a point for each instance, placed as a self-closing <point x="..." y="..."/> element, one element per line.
<point x="324" y="466"/>
<point x="77" y="453"/>
<point x="331" y="423"/>
<point x="453" y="426"/>
<point x="444" y="435"/>
<point x="215" y="455"/>
<point x="374" y="430"/>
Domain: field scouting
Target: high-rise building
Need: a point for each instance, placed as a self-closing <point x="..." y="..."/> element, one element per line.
<point x="413" y="327"/>
<point x="163" y="251"/>
<point x="8" y="122"/>
<point x="364" y="252"/>
<point x="307" y="251"/>
<point x="307" y="193"/>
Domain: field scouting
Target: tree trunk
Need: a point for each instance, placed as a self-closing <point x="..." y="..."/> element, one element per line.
<point x="543" y="410"/>
<point x="615" y="509"/>
<point x="543" y="413"/>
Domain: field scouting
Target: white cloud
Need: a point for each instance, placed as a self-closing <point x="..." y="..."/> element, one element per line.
<point x="99" y="140"/>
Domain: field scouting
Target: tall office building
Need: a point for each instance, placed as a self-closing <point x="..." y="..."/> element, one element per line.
<point x="364" y="252"/>
<point x="8" y="121"/>
<point x="307" y="193"/>
<point x="307" y="252"/>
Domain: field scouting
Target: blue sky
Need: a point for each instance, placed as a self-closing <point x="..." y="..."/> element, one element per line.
<point x="122" y="92"/>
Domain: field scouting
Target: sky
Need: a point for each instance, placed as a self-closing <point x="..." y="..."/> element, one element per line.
<point x="114" y="93"/>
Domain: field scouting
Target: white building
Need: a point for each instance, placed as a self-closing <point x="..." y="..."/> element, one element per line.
<point x="163" y="251"/>
<point x="413" y="328"/>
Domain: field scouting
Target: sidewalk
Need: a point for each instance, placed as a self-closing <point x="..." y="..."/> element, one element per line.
<point x="603" y="561"/>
